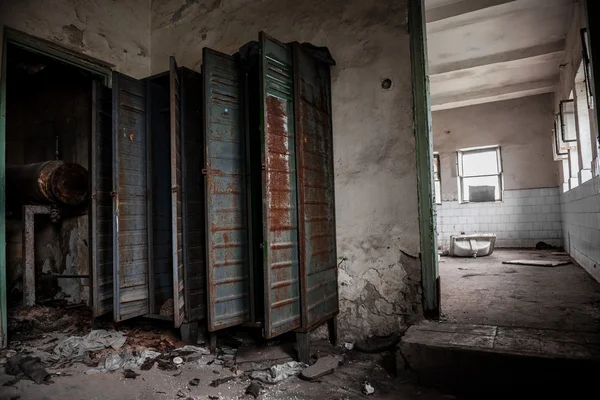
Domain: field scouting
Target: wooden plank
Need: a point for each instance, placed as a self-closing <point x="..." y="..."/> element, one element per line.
<point x="538" y="263"/>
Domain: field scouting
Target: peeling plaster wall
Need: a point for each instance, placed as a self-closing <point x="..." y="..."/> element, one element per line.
<point x="117" y="32"/>
<point x="374" y="146"/>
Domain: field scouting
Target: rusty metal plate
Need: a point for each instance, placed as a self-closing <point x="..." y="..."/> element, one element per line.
<point x="316" y="204"/>
<point x="226" y="219"/>
<point x="130" y="221"/>
<point x="194" y="252"/>
<point x="101" y="215"/>
<point x="176" y="194"/>
<point x="280" y="219"/>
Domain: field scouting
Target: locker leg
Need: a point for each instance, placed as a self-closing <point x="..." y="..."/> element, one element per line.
<point x="189" y="332"/>
<point x="333" y="331"/>
<point x="303" y="344"/>
<point x="213" y="342"/>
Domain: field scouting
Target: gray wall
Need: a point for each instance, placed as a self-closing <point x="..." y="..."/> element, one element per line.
<point x="116" y="32"/>
<point x="374" y="147"/>
<point x="523" y="129"/>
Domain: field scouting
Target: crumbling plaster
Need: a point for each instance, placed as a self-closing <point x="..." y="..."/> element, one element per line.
<point x="374" y="145"/>
<point x="116" y="32"/>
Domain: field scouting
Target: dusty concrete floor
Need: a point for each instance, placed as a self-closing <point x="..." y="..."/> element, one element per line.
<point x="345" y="383"/>
<point x="509" y="331"/>
<point x="485" y="291"/>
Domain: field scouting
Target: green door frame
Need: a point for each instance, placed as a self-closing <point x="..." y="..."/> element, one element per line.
<point x="430" y="280"/>
<point x="31" y="43"/>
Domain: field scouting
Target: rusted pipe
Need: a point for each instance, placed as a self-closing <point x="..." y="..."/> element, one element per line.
<point x="49" y="182"/>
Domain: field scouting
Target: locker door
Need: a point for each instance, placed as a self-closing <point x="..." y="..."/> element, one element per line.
<point x="280" y="219"/>
<point x="176" y="194"/>
<point x="130" y="203"/>
<point x="101" y="212"/>
<point x="316" y="205"/>
<point x="194" y="253"/>
<point x="226" y="216"/>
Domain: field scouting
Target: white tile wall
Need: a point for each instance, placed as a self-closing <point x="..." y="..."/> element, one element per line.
<point x="580" y="209"/>
<point x="522" y="219"/>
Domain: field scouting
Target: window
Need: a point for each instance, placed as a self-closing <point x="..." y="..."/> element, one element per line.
<point x="437" y="183"/>
<point x="587" y="66"/>
<point x="480" y="174"/>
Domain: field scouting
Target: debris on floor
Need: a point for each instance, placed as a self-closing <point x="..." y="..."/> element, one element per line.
<point x="77" y="348"/>
<point x="27" y="323"/>
<point x="368" y="389"/>
<point x="377" y="344"/>
<point x="253" y="389"/>
<point x="124" y="360"/>
<point x="220" y="381"/>
<point x="323" y="366"/>
<point x="538" y="263"/>
<point x="25" y="366"/>
<point x="278" y="373"/>
<point x="166" y="310"/>
<point x="349" y="345"/>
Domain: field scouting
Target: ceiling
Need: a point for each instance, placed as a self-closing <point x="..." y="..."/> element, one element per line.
<point x="482" y="51"/>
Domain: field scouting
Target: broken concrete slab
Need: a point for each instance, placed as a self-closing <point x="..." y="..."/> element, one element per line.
<point x="323" y="366"/>
<point x="266" y="356"/>
<point x="538" y="263"/>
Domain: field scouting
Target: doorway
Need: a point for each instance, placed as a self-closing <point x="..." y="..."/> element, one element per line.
<point x="45" y="131"/>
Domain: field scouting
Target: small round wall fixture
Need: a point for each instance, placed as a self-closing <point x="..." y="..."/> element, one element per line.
<point x="386" y="83"/>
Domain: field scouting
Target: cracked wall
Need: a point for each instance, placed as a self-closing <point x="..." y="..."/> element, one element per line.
<point x="374" y="146"/>
<point x="117" y="32"/>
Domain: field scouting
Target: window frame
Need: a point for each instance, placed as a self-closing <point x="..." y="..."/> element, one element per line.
<point x="461" y="176"/>
<point x="563" y="120"/>
<point x="559" y="153"/>
<point x="587" y="65"/>
<point x="437" y="177"/>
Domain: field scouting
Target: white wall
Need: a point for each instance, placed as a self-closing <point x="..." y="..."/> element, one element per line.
<point x="373" y="139"/>
<point x="524" y="218"/>
<point x="581" y="225"/>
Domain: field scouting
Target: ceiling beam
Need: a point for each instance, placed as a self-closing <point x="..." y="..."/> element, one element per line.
<point x="488" y="95"/>
<point x="554" y="49"/>
<point x="462" y="7"/>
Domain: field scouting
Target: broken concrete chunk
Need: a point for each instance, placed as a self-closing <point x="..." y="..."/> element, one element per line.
<point x="253" y="389"/>
<point x="323" y="366"/>
<point x="368" y="389"/>
<point x="377" y="344"/>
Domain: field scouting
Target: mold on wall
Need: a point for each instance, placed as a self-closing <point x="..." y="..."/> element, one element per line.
<point x="374" y="145"/>
<point x="522" y="128"/>
<point x="117" y="32"/>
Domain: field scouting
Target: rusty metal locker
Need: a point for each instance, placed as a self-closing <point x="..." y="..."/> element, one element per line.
<point x="280" y="218"/>
<point x="101" y="211"/>
<point x="225" y="176"/>
<point x="130" y="186"/>
<point x="316" y="201"/>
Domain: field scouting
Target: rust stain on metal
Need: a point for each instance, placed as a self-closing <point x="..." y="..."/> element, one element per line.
<point x="278" y="164"/>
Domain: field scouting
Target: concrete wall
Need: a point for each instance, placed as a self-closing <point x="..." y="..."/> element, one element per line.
<point x="374" y="146"/>
<point x="116" y="32"/>
<point x="523" y="129"/>
<point x="580" y="209"/>
<point x="522" y="219"/>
